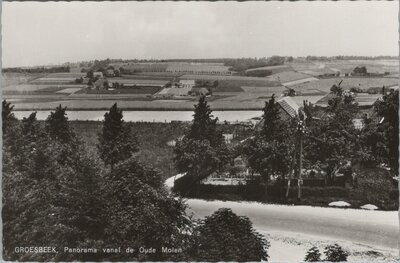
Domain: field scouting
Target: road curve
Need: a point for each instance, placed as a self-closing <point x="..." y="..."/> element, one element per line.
<point x="374" y="228"/>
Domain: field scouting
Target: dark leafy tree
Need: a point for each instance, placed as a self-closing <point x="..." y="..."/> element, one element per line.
<point x="270" y="151"/>
<point x="143" y="214"/>
<point x="90" y="74"/>
<point x="335" y="253"/>
<point x="360" y="71"/>
<point x="116" y="142"/>
<point x="30" y="126"/>
<point x="58" y="127"/>
<point x="388" y="109"/>
<point x="313" y="255"/>
<point x="331" y="139"/>
<point x="224" y="236"/>
<point x="7" y="116"/>
<point x="202" y="150"/>
<point x="57" y="199"/>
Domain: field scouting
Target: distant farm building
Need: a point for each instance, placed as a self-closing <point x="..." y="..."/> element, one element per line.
<point x="186" y="83"/>
<point x="288" y="109"/>
<point x="131" y="83"/>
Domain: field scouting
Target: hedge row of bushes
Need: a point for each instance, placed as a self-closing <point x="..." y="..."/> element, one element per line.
<point x="276" y="193"/>
<point x="255" y="191"/>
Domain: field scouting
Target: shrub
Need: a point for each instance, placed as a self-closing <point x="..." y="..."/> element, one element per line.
<point x="225" y="236"/>
<point x="313" y="255"/>
<point x="335" y="253"/>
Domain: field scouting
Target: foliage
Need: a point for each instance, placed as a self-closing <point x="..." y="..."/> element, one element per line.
<point x="116" y="142"/>
<point x="388" y="109"/>
<point x="142" y="213"/>
<point x="313" y="255"/>
<point x="202" y="151"/>
<point x="331" y="139"/>
<point x="360" y="71"/>
<point x="335" y="253"/>
<point x="7" y="115"/>
<point x="270" y="151"/>
<point x="224" y="236"/>
<point x="72" y="200"/>
<point x="49" y="197"/>
<point x="57" y="125"/>
<point x="54" y="69"/>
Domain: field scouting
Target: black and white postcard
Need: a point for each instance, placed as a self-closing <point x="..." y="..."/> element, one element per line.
<point x="165" y="131"/>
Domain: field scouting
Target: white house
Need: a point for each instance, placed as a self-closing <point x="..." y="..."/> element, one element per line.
<point x="186" y="83"/>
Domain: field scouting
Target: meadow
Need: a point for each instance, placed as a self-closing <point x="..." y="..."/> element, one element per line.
<point x="43" y="91"/>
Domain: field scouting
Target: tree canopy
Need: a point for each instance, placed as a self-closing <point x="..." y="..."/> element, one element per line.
<point x="116" y="141"/>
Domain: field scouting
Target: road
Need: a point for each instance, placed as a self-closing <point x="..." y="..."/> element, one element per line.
<point x="373" y="228"/>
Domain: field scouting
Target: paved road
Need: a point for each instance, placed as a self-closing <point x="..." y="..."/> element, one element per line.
<point x="374" y="228"/>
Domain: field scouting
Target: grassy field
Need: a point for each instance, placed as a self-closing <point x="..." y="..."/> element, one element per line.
<point x="287" y="76"/>
<point x="323" y="86"/>
<point x="134" y="90"/>
<point x="13" y="79"/>
<point x="152" y="138"/>
<point x="232" y="92"/>
<point x="363" y="99"/>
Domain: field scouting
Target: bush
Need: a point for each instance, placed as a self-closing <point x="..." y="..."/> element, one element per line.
<point x="313" y="255"/>
<point x="225" y="236"/>
<point x="335" y="253"/>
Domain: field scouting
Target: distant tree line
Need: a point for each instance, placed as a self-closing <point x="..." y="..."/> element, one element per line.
<point x="56" y="69"/>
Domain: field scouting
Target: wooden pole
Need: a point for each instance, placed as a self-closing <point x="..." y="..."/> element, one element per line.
<point x="299" y="181"/>
<point x="291" y="170"/>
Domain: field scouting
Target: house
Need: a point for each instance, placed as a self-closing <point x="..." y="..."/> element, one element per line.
<point x="187" y="83"/>
<point x="288" y="109"/>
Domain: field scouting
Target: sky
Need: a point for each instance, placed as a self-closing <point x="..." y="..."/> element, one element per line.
<point x="35" y="33"/>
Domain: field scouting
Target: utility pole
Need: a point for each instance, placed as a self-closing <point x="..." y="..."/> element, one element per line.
<point x="300" y="180"/>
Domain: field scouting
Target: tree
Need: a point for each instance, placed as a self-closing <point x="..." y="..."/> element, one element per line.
<point x="7" y="116"/>
<point x="360" y="71"/>
<point x="331" y="139"/>
<point x="388" y="109"/>
<point x="30" y="126"/>
<point x="116" y="142"/>
<point x="270" y="151"/>
<point x="202" y="151"/>
<point x="313" y="255"/>
<point x="49" y="196"/>
<point x="90" y="75"/>
<point x="272" y="124"/>
<point x="58" y="127"/>
<point x="141" y="213"/>
<point x="276" y="60"/>
<point x="224" y="236"/>
<point x="335" y="253"/>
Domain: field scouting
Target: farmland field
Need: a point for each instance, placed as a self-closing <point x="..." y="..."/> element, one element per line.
<point x="45" y="91"/>
<point x="363" y="99"/>
<point x="323" y="86"/>
<point x="8" y="79"/>
<point x="133" y="90"/>
<point x="287" y="76"/>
